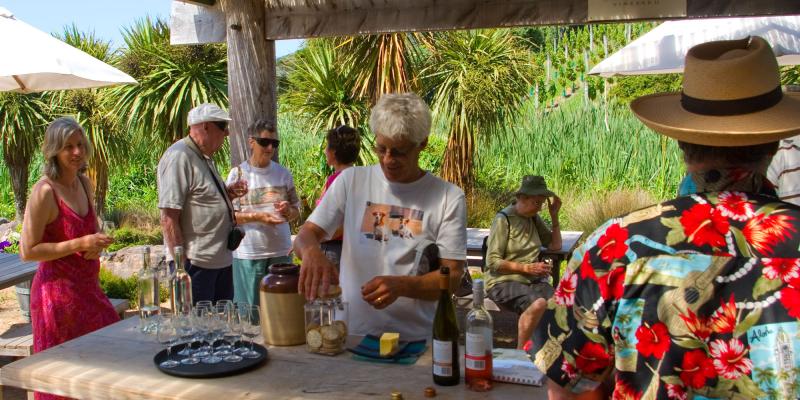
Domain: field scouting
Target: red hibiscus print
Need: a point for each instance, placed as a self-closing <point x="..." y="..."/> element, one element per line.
<point x="735" y="206"/>
<point x="697" y="325"/>
<point x="724" y="319"/>
<point x="652" y="340"/>
<point x="592" y="358"/>
<point x="729" y="358"/>
<point x="569" y="370"/>
<point x="623" y="391"/>
<point x="565" y="293"/>
<point x="790" y="298"/>
<point x="785" y="269"/>
<point x="764" y="232"/>
<point x="611" y="284"/>
<point x="696" y="369"/>
<point x="612" y="243"/>
<point x="676" y="392"/>
<point x="587" y="270"/>
<point x="703" y="225"/>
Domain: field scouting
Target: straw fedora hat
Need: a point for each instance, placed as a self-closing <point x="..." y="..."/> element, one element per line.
<point x="731" y="96"/>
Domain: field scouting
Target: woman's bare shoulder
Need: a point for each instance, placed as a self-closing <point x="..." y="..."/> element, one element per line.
<point x="42" y="191"/>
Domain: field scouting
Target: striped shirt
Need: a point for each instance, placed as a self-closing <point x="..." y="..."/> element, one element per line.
<point x="784" y="170"/>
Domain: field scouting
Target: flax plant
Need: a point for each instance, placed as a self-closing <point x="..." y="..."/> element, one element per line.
<point x="172" y="80"/>
<point x="478" y="81"/>
<point x="23" y="118"/>
<point x="322" y="93"/>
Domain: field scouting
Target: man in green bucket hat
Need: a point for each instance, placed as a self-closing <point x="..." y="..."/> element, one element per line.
<point x="515" y="277"/>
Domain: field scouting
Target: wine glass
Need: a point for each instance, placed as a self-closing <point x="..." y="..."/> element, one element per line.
<point x="201" y="330"/>
<point x="187" y="331"/>
<point x="251" y="328"/>
<point x="223" y="312"/>
<point x="232" y="335"/>
<point x="106" y="227"/>
<point x="213" y="331"/>
<point x="167" y="335"/>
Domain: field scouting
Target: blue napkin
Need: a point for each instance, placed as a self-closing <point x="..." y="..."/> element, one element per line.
<point x="369" y="350"/>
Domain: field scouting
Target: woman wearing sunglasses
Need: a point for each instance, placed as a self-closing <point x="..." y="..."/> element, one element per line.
<point x="264" y="212"/>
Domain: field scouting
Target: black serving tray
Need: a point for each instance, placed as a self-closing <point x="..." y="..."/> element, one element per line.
<point x="201" y="370"/>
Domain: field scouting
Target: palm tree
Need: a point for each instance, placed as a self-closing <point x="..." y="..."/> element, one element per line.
<point x="479" y="80"/>
<point x="323" y="90"/>
<point x="172" y="80"/>
<point x="23" y="118"/>
<point x="94" y="110"/>
<point x="381" y="63"/>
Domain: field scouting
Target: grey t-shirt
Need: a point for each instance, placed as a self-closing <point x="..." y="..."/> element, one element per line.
<point x="185" y="183"/>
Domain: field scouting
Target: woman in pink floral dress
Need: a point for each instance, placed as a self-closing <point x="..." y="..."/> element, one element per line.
<point x="60" y="231"/>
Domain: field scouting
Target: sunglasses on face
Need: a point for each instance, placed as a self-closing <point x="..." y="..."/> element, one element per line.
<point x="264" y="142"/>
<point x="222" y="125"/>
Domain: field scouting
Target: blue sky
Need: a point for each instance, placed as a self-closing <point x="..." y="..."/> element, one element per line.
<point x="105" y="17"/>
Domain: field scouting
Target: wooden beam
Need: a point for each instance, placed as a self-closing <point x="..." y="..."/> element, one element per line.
<point x="202" y="2"/>
<point x="251" y="72"/>
<point x="289" y="19"/>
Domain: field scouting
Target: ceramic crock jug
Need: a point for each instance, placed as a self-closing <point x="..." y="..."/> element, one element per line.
<point x="282" y="315"/>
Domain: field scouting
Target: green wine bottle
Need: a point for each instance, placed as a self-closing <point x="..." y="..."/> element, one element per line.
<point x="446" y="370"/>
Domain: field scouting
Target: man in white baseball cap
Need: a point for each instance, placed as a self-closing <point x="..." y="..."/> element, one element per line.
<point x="196" y="208"/>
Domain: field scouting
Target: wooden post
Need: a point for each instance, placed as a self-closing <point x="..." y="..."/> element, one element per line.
<point x="251" y="72"/>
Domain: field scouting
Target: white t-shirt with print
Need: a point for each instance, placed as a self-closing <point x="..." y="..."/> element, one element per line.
<point x="383" y="222"/>
<point x="265" y="187"/>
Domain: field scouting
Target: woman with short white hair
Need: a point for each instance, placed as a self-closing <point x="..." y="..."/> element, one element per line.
<point x="60" y="231"/>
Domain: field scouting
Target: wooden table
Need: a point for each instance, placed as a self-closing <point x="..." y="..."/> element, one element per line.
<point x="117" y="363"/>
<point x="569" y="240"/>
<point x="14" y="271"/>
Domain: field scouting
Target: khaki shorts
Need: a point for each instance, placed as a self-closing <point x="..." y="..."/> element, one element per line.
<point x="518" y="296"/>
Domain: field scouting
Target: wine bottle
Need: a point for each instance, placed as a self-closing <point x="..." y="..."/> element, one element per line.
<point x="181" y="286"/>
<point x="478" y="354"/>
<point x="446" y="370"/>
<point x="149" y="306"/>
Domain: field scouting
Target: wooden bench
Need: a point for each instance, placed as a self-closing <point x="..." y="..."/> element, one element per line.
<point x="18" y="340"/>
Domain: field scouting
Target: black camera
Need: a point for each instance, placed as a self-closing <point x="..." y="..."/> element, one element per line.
<point x="235" y="237"/>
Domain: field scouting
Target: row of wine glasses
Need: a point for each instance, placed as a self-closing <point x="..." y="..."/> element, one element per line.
<point x="211" y="333"/>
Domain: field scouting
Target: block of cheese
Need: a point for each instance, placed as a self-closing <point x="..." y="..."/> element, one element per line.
<point x="389" y="341"/>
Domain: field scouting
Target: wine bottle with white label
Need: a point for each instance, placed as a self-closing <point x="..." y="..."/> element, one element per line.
<point x="446" y="370"/>
<point x="478" y="354"/>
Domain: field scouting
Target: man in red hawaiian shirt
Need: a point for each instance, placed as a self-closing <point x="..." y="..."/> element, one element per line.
<point x="698" y="296"/>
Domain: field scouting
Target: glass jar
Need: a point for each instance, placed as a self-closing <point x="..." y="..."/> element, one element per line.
<point x="326" y="323"/>
<point x="282" y="306"/>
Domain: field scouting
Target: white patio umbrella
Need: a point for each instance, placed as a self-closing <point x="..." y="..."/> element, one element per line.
<point x="663" y="49"/>
<point x="33" y="61"/>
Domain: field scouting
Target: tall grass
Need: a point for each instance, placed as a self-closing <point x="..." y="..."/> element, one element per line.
<point x="572" y="149"/>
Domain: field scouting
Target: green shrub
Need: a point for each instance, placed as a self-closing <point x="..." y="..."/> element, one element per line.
<point x="128" y="236"/>
<point x="116" y="287"/>
<point x="119" y="288"/>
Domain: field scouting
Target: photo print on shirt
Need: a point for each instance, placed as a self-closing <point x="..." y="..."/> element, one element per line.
<point x="384" y="222"/>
